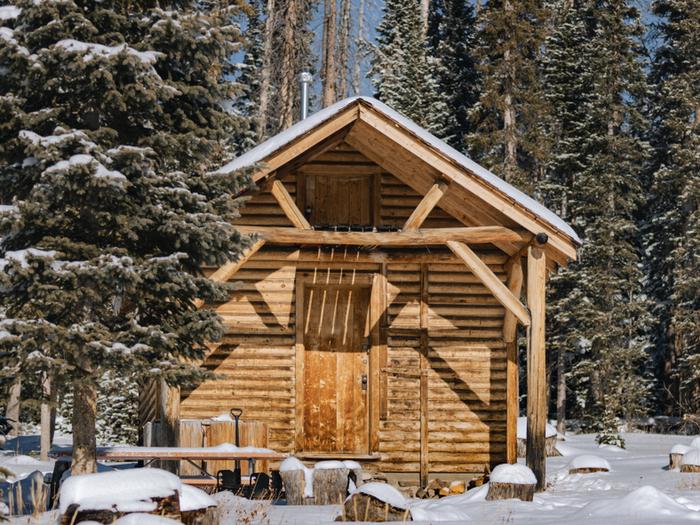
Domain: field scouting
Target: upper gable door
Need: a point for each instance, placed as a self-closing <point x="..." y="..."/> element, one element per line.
<point x="339" y="200"/>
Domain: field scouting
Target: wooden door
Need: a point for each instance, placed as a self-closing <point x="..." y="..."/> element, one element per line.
<point x="340" y="200"/>
<point x="336" y="369"/>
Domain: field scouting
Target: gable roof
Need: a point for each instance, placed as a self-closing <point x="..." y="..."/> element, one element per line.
<point x="268" y="148"/>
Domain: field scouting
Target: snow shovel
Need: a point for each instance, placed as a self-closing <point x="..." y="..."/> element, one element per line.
<point x="236" y="413"/>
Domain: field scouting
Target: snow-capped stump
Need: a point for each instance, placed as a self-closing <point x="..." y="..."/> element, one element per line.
<point x="196" y="506"/>
<point x="330" y="482"/>
<point x="511" y="482"/>
<point x="355" y="473"/>
<point x="297" y="480"/>
<point x="107" y="496"/>
<point x="676" y="454"/>
<point x="588" y="463"/>
<point x="375" y="502"/>
<point x="691" y="461"/>
<point x="550" y="439"/>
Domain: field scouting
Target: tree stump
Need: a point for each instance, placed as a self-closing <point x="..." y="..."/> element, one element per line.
<point x="294" y="484"/>
<point x="330" y="486"/>
<point x="206" y="516"/>
<point x="521" y="491"/>
<point x="690" y="468"/>
<point x="168" y="507"/>
<point x="363" y="507"/>
<point x="587" y="470"/>
<point x="674" y="460"/>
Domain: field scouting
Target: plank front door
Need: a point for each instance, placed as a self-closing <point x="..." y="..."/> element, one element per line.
<point x="336" y="368"/>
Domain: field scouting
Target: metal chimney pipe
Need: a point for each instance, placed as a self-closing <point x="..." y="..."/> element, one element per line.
<point x="305" y="79"/>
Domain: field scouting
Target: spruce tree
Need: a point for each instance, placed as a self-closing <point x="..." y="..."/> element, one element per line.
<point x="452" y="43"/>
<point x="403" y="72"/>
<point x="114" y="117"/>
<point x="673" y="229"/>
<point x="507" y="137"/>
<point x="597" y="166"/>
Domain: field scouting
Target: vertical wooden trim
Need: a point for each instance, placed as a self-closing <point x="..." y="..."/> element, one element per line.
<point x="300" y="195"/>
<point x="515" y="283"/>
<point x="377" y="351"/>
<point x="536" y="365"/>
<point x="299" y="366"/>
<point x="384" y="357"/>
<point x="377" y="199"/>
<point x="424" y="365"/>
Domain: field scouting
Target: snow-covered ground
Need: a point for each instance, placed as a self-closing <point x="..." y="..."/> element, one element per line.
<point x="638" y="490"/>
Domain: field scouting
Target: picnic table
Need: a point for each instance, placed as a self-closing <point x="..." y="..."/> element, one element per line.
<point x="148" y="455"/>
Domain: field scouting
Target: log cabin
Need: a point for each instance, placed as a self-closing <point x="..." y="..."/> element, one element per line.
<point x="376" y="312"/>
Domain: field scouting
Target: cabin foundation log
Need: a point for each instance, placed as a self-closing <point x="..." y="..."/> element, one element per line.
<point x="536" y="366"/>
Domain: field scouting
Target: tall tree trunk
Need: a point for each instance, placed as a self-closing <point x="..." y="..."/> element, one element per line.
<point x="13" y="405"/>
<point x="45" y="438"/>
<point x="510" y="136"/>
<point x="288" y="73"/>
<point x="561" y="392"/>
<point x="424" y="10"/>
<point x="84" y="416"/>
<point x="328" y="67"/>
<point x="359" y="42"/>
<point x="343" y="49"/>
<point x="264" y="109"/>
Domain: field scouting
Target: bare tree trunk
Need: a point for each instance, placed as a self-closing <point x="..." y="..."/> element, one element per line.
<point x="561" y="392"/>
<point x="45" y="438"/>
<point x="84" y="416"/>
<point x="424" y="10"/>
<point x="13" y="405"/>
<point x="343" y="50"/>
<point x="511" y="139"/>
<point x="288" y="74"/>
<point x="359" y="42"/>
<point x="328" y="67"/>
<point x="265" y="72"/>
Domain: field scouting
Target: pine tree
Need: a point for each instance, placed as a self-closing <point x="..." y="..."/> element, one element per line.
<point x="452" y="40"/>
<point x="673" y="251"/>
<point x="507" y="137"/>
<point x="402" y="72"/>
<point x="596" y="168"/>
<point x="114" y="117"/>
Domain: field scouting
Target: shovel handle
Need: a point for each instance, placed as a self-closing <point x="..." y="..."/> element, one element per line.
<point x="236" y="412"/>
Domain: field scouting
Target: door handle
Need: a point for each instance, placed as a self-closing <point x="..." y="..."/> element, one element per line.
<point x="364" y="381"/>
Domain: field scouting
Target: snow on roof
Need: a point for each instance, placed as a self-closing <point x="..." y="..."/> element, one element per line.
<point x="513" y="473"/>
<point x="273" y="144"/>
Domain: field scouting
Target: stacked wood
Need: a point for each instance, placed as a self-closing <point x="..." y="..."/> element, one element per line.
<point x="330" y="486"/>
<point x="168" y="507"/>
<point x="363" y="507"/>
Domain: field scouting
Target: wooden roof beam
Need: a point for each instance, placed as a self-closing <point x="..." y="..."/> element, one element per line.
<point x="228" y="270"/>
<point x="499" y="290"/>
<point x="289" y="207"/>
<point x="424" y="237"/>
<point x="425" y="206"/>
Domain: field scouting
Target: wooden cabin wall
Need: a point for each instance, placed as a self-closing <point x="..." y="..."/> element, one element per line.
<point x="463" y="351"/>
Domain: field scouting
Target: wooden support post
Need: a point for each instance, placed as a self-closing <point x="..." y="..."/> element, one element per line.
<point x="424" y="366"/>
<point x="425" y="206"/>
<point x="536" y="366"/>
<point x="378" y="355"/>
<point x="228" y="270"/>
<point x="169" y="428"/>
<point x="515" y="283"/>
<point x="289" y="207"/>
<point x="488" y="278"/>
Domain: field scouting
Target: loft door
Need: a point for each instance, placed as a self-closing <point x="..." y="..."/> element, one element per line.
<point x="336" y="368"/>
<point x="338" y="200"/>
